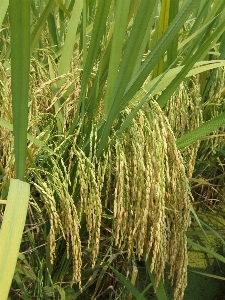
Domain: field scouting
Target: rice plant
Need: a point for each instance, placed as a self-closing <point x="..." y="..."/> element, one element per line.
<point x="109" y="103"/>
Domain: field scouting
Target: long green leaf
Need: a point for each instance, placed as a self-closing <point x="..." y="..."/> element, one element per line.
<point x="172" y="50"/>
<point x="200" y="132"/>
<point x="64" y="9"/>
<point x="97" y="33"/>
<point x="158" y="84"/>
<point x="67" y="51"/>
<point x="21" y="286"/>
<point x="122" y="10"/>
<point x="207" y="250"/>
<point x="96" y="36"/>
<point x="20" y="61"/>
<point x="130" y="287"/>
<point x="4" y="5"/>
<point x="208" y="16"/>
<point x="158" y="51"/>
<point x="160" y="290"/>
<point x="40" y="25"/>
<point x="214" y="232"/>
<point x="202" y="51"/>
<point x="161" y="28"/>
<point x="209" y="275"/>
<point x="11" y="231"/>
<point x="198" y="68"/>
<point x="199" y="223"/>
<point x="35" y="140"/>
<point x="144" y="16"/>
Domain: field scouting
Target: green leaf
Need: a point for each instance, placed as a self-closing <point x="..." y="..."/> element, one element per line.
<point x="35" y="140"/>
<point x="96" y="36"/>
<point x="200" y="132"/>
<point x="11" y="231"/>
<point x="67" y="51"/>
<point x="21" y="286"/>
<point x="202" y="51"/>
<point x="129" y="286"/>
<point x="158" y="51"/>
<point x="40" y="25"/>
<point x="158" y="84"/>
<point x="120" y="26"/>
<point x="20" y="61"/>
<point x="64" y="9"/>
<point x="209" y="275"/>
<point x="199" y="223"/>
<point x="4" y="6"/>
<point x="172" y="50"/>
<point x="207" y="250"/>
<point x="213" y="231"/>
<point x="160" y="290"/>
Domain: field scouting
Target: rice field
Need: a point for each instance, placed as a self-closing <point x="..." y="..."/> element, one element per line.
<point x="112" y="148"/>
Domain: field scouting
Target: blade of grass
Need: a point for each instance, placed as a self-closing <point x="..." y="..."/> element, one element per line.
<point x="11" y="231"/>
<point x="199" y="223"/>
<point x="129" y="286"/>
<point x="142" y="50"/>
<point x="21" y="286"/>
<point x="202" y="51"/>
<point x="214" y="232"/>
<point x="200" y="132"/>
<point x="209" y="13"/>
<point x="67" y="52"/>
<point x="20" y="61"/>
<point x="212" y="76"/>
<point x="4" y="7"/>
<point x="161" y="28"/>
<point x="198" y="68"/>
<point x="83" y="32"/>
<point x="97" y="33"/>
<point x="40" y="25"/>
<point x="209" y="275"/>
<point x="160" y="290"/>
<point x="122" y="11"/>
<point x="159" y="50"/>
<point x="207" y="250"/>
<point x="53" y="38"/>
<point x="132" y="50"/>
<point x="146" y="289"/>
<point x="172" y="50"/>
<point x="64" y="9"/>
<point x="36" y="141"/>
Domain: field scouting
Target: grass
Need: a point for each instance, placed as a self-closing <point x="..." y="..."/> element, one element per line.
<point x="122" y="121"/>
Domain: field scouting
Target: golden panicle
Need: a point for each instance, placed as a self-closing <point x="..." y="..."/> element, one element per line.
<point x="151" y="196"/>
<point x="63" y="215"/>
<point x="185" y="114"/>
<point x="90" y="176"/>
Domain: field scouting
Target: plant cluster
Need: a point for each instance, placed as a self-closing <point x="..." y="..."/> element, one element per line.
<point x="106" y="108"/>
